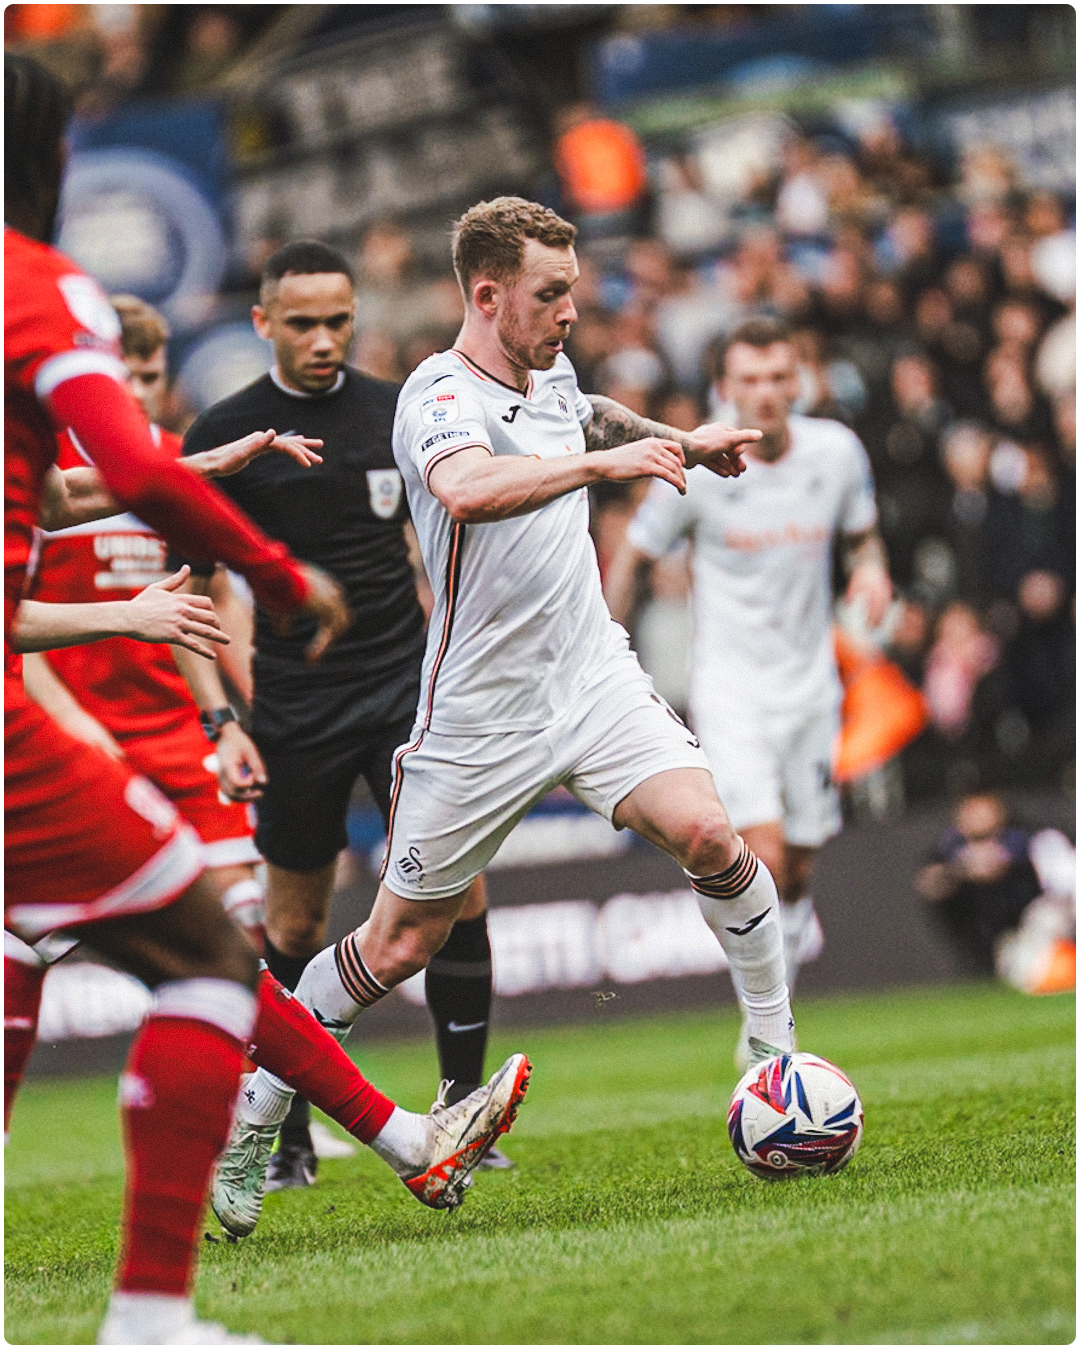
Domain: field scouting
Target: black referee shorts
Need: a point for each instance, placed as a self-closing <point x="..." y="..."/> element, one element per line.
<point x="302" y="812"/>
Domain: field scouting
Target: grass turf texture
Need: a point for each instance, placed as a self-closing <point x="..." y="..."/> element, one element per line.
<point x="628" y="1218"/>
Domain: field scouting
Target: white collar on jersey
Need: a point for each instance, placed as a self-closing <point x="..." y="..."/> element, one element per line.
<point x="275" y="375"/>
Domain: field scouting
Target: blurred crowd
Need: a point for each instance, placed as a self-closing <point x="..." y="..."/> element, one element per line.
<point x="934" y="313"/>
<point x="108" y="54"/>
<point x="933" y="308"/>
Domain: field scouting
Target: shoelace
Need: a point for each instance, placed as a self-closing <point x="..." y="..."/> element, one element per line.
<point x="240" y="1158"/>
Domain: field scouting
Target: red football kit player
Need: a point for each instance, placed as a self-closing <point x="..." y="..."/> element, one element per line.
<point x="132" y="689"/>
<point x="91" y="847"/>
<point x="96" y="850"/>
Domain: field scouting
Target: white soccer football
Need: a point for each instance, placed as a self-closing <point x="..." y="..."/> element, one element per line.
<point x="795" y="1115"/>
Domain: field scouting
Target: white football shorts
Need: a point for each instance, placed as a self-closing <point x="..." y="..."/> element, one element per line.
<point x="456" y="798"/>
<point x="774" y="767"/>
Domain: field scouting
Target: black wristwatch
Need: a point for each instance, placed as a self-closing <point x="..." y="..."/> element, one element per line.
<point x="213" y="719"/>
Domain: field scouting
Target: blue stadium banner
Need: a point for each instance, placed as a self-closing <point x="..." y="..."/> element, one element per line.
<point x="143" y="206"/>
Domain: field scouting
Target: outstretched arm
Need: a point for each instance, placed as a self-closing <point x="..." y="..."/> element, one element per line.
<point x="157" y="614"/>
<point x="241" y="772"/>
<point x="476" y="486"/>
<point x="716" y="446"/>
<point x="77" y="496"/>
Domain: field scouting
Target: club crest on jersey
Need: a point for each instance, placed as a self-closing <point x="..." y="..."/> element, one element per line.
<point x="563" y="408"/>
<point x="89" y="304"/>
<point x="439" y="409"/>
<point x="384" y="491"/>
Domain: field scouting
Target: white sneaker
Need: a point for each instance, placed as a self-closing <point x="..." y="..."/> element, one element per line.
<point x="328" y="1145"/>
<point x="460" y="1135"/>
<point x="162" y="1319"/>
<point x="238" y="1183"/>
<point x="495" y="1160"/>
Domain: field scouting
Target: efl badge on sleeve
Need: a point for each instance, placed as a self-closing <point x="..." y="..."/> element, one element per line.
<point x="439" y="410"/>
<point x="384" y="491"/>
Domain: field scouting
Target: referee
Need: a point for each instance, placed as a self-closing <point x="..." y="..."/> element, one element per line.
<point x="318" y="728"/>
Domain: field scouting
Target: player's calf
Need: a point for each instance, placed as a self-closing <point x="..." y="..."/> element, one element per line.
<point x="742" y="908"/>
<point x="176" y="1096"/>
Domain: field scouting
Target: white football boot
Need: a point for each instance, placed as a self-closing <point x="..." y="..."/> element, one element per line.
<point x="238" y="1184"/>
<point x="495" y="1160"/>
<point x="460" y="1135"/>
<point x="162" y="1319"/>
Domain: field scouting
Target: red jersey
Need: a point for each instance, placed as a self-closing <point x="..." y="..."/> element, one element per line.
<point x="61" y="355"/>
<point x="132" y="688"/>
<point x="57" y="323"/>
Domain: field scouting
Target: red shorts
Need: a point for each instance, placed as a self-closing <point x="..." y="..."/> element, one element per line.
<point x="85" y="838"/>
<point x="177" y="763"/>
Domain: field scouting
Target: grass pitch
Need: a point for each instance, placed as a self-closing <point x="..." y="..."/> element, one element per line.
<point x="628" y="1218"/>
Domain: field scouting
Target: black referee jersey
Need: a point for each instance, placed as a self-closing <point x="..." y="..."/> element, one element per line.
<point x="345" y="514"/>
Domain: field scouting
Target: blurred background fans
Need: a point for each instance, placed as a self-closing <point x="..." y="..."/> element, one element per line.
<point x="897" y="181"/>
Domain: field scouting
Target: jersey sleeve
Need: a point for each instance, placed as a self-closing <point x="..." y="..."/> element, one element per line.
<point x="662" y="519"/>
<point x="858" y="508"/>
<point x="59" y="327"/>
<point x="439" y="421"/>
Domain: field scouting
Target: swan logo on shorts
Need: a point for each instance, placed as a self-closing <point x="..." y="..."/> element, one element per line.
<point x="439" y="409"/>
<point x="146" y="801"/>
<point x="384" y="491"/>
<point x="412" y="865"/>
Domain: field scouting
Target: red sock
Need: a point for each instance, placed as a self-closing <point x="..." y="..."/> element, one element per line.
<point x="176" y="1098"/>
<point x="290" y="1044"/>
<point x="22" y="1003"/>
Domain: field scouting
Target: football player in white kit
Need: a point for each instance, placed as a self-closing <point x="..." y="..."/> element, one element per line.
<point x="528" y="683"/>
<point x="762" y="607"/>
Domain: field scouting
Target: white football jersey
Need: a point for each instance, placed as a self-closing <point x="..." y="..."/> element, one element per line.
<point x="520" y="629"/>
<point x="762" y="596"/>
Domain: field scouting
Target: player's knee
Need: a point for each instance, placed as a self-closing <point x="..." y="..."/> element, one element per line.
<point x="709" y="844"/>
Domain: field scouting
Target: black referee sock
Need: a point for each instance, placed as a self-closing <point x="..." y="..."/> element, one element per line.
<point x="459" y="999"/>
<point x="285" y="969"/>
<point x="296" y="1127"/>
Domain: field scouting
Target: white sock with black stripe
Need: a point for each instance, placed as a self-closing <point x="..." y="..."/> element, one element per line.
<point x="741" y="906"/>
<point x="337" y="986"/>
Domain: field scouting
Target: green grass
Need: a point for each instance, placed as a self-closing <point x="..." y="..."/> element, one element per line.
<point x="628" y="1218"/>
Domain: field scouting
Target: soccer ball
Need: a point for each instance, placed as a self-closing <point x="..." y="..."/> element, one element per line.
<point x="795" y="1115"/>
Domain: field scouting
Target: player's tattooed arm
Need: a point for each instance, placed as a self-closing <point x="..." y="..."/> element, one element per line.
<point x="612" y="425"/>
<point x="717" y="447"/>
<point x="867" y="566"/>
